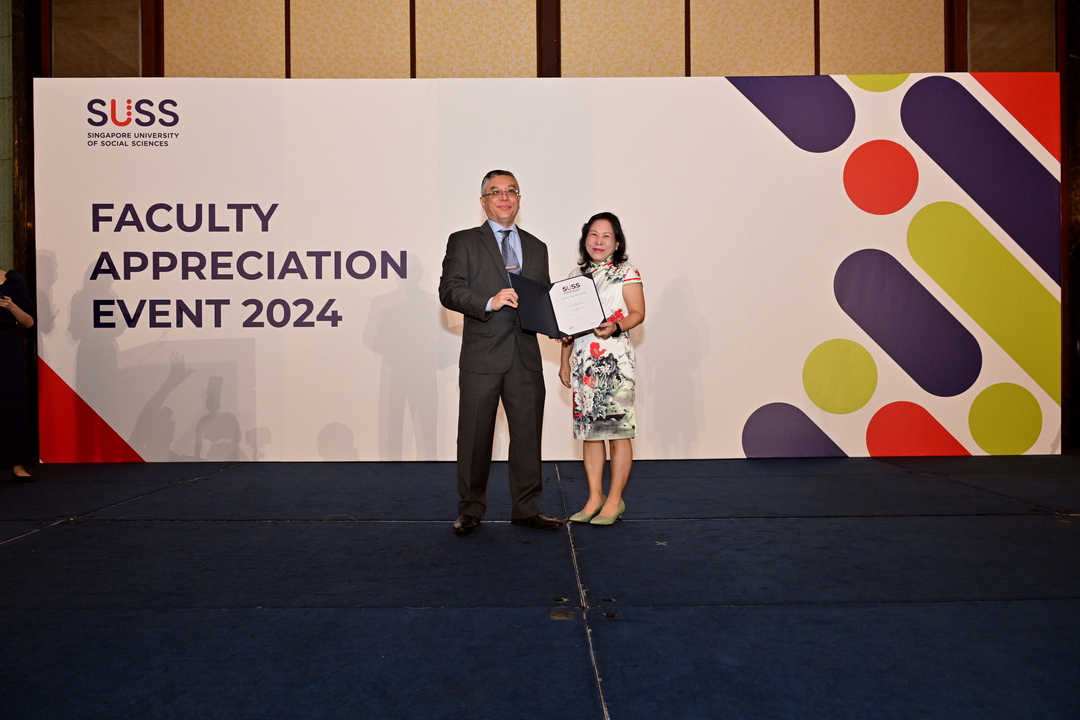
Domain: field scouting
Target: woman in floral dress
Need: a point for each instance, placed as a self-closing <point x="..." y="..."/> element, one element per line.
<point x="599" y="368"/>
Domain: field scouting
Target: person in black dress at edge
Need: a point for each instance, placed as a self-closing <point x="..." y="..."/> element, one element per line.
<point x="15" y="313"/>
<point x="599" y="368"/>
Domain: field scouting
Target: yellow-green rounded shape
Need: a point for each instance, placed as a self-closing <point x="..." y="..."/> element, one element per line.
<point x="840" y="376"/>
<point x="878" y="83"/>
<point x="1005" y="419"/>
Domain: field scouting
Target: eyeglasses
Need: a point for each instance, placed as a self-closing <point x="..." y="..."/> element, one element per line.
<point x="509" y="192"/>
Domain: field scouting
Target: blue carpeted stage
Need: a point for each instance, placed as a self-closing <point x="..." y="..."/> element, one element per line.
<point x="811" y="589"/>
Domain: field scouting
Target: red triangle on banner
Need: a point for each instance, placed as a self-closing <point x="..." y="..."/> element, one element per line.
<point x="70" y="430"/>
<point x="1034" y="99"/>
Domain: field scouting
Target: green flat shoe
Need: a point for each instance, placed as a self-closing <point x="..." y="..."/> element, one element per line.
<point x="608" y="519"/>
<point x="584" y="517"/>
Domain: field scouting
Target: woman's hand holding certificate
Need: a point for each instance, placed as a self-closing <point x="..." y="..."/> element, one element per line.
<point x="567" y="308"/>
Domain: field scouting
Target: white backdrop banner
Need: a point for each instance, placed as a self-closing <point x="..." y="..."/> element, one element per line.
<point x="248" y="269"/>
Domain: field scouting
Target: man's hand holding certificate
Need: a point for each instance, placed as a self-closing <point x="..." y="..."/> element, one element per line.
<point x="567" y="308"/>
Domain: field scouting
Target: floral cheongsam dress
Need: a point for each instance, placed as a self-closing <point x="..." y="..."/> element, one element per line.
<point x="602" y="370"/>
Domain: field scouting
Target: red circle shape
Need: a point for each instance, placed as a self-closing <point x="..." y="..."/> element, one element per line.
<point x="881" y="177"/>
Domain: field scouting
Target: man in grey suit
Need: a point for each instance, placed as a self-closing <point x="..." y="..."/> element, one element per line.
<point x="498" y="359"/>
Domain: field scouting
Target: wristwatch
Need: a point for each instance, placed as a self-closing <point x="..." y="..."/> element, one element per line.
<point x="618" y="330"/>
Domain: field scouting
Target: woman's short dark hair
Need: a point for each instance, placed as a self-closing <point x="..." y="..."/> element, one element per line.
<point x="619" y="256"/>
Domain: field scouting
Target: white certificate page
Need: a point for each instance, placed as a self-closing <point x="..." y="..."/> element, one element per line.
<point x="577" y="305"/>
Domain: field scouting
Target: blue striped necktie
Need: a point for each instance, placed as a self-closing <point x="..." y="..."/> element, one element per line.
<point x="510" y="258"/>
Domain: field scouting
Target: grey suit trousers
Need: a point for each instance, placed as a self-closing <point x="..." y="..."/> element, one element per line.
<point x="498" y="362"/>
<point x="522" y="393"/>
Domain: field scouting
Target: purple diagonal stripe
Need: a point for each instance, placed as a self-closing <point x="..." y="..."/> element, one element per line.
<point x="991" y="166"/>
<point x="782" y="430"/>
<point x="813" y="111"/>
<point x="907" y="322"/>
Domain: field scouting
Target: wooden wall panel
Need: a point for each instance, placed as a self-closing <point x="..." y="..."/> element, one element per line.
<point x="350" y="38"/>
<point x="623" y="38"/>
<point x="882" y="36"/>
<point x="223" y="38"/>
<point x="474" y="38"/>
<point x="1012" y="35"/>
<point x="752" y="37"/>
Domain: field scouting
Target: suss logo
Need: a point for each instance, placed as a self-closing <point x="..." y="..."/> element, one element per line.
<point x="121" y="113"/>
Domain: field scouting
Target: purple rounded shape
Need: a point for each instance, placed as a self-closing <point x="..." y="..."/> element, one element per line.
<point x="780" y="430"/>
<point x="813" y="111"/>
<point x="991" y="166"/>
<point x="907" y="322"/>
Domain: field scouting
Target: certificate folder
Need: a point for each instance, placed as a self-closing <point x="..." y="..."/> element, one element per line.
<point x="568" y="308"/>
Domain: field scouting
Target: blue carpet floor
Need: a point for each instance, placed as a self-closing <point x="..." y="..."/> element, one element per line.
<point x="810" y="589"/>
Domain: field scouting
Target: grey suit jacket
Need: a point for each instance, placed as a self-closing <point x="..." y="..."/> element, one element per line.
<point x="473" y="271"/>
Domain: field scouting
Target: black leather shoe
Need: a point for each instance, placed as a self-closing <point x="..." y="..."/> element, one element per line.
<point x="466" y="524"/>
<point x="538" y="521"/>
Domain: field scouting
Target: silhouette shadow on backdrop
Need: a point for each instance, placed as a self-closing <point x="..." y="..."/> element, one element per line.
<point x="155" y="427"/>
<point x="336" y="443"/>
<point x="413" y="353"/>
<point x="47" y="275"/>
<point x="220" y="429"/>
<point x="676" y="325"/>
